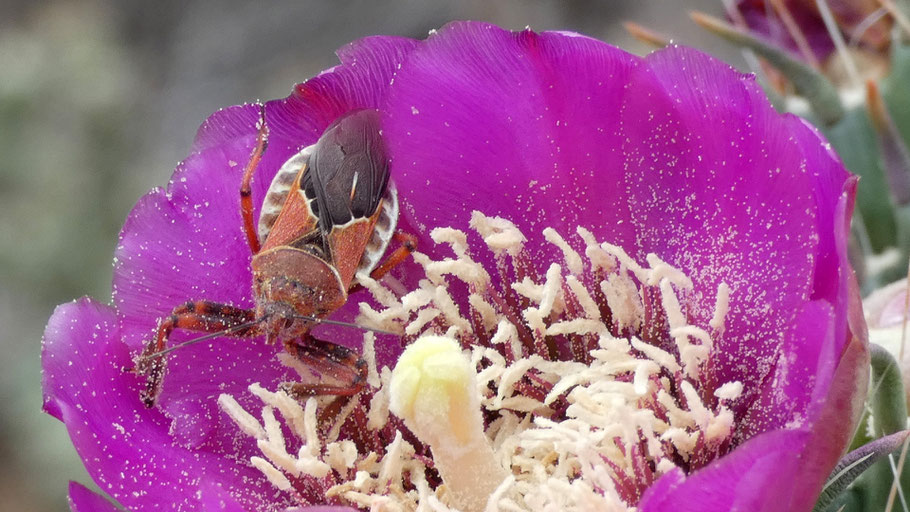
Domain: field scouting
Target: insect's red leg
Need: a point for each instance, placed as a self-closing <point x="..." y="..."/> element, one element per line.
<point x="246" y="191"/>
<point x="202" y="316"/>
<point x="407" y="245"/>
<point x="336" y="370"/>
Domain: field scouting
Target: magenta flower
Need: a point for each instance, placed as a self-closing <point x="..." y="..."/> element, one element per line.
<point x="674" y="155"/>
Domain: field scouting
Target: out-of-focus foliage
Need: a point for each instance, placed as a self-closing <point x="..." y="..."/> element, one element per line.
<point x="65" y="92"/>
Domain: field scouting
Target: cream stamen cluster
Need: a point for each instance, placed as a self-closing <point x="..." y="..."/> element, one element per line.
<point x="590" y="381"/>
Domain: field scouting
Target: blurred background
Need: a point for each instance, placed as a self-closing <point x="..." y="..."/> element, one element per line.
<point x="99" y="99"/>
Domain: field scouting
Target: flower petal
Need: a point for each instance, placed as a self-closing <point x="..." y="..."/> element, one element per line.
<point x="835" y="192"/>
<point x="128" y="449"/>
<point x="739" y="481"/>
<point x="84" y="500"/>
<point x="820" y="381"/>
<point x="214" y="498"/>
<point x="731" y="204"/>
<point x="805" y="365"/>
<point x="518" y="125"/>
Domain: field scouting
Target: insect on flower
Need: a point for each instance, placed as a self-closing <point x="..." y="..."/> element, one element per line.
<point x="329" y="214"/>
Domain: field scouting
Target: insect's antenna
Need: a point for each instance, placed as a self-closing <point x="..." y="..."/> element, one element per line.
<point x="343" y="324"/>
<point x="193" y="341"/>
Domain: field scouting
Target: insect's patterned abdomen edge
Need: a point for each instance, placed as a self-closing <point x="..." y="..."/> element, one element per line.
<point x="383" y="231"/>
<point x="279" y="189"/>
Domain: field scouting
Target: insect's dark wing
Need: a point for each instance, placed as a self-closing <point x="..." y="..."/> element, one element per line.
<point x="348" y="170"/>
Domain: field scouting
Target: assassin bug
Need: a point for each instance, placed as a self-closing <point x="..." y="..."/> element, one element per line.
<point x="328" y="214"/>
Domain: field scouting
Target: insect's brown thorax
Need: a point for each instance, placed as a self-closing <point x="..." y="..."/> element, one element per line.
<point x="291" y="280"/>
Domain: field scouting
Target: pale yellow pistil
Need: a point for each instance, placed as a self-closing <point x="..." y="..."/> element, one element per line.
<point x="434" y="390"/>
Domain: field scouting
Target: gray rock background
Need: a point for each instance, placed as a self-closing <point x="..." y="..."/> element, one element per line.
<point x="99" y="99"/>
